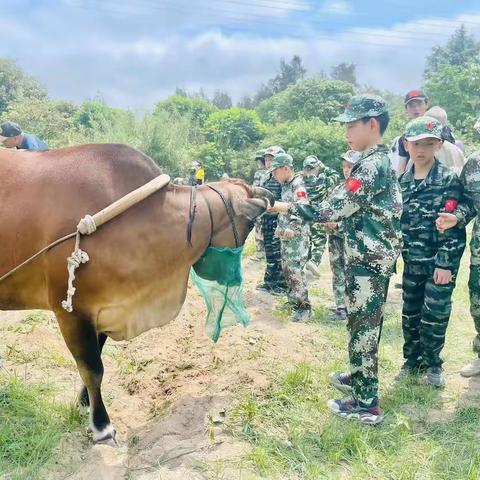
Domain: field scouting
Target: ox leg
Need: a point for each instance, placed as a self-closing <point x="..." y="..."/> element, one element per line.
<point x="84" y="344"/>
<point x="83" y="400"/>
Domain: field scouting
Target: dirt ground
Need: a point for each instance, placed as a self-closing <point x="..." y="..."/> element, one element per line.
<point x="167" y="391"/>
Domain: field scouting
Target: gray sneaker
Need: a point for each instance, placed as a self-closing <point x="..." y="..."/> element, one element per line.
<point x="408" y="371"/>
<point x="339" y="315"/>
<point x="435" y="377"/>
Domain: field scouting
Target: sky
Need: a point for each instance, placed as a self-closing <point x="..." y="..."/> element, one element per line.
<point x="133" y="53"/>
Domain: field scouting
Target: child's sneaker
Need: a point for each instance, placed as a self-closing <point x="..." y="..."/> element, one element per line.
<point x="408" y="371"/>
<point x="338" y="315"/>
<point x="353" y="410"/>
<point x="434" y="377"/>
<point x="342" y="382"/>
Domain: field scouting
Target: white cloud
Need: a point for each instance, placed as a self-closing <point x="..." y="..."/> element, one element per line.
<point x="337" y="7"/>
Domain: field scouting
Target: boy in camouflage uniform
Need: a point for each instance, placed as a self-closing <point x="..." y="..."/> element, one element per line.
<point x="431" y="259"/>
<point x="293" y="233"/>
<point x="336" y="248"/>
<point x="258" y="179"/>
<point x="370" y="205"/>
<point x="319" y="181"/>
<point x="274" y="281"/>
<point x="469" y="209"/>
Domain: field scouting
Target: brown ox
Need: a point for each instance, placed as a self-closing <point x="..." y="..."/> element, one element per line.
<point x="140" y="261"/>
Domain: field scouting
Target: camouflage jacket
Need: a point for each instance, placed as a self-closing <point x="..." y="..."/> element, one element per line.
<point x="370" y="205"/>
<point x="320" y="187"/>
<point x="424" y="248"/>
<point x="259" y="177"/>
<point x="296" y="193"/>
<point x="271" y="184"/>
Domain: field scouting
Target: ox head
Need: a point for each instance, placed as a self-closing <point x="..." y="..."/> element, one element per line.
<point x="247" y="204"/>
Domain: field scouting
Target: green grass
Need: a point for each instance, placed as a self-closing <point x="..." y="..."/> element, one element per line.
<point x="32" y="425"/>
<point x="427" y="434"/>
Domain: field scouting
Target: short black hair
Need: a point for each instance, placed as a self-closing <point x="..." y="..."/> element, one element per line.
<point x="383" y="120"/>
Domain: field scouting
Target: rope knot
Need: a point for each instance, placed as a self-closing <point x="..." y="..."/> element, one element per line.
<point x="87" y="225"/>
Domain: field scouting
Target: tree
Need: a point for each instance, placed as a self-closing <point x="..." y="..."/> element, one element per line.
<point x="345" y="72"/>
<point x="246" y="102"/>
<point x="221" y="100"/>
<point x="234" y="128"/>
<point x="197" y="109"/>
<point x="460" y="50"/>
<point x="15" y="84"/>
<point x="310" y="98"/>
<point x="456" y="89"/>
<point x="289" y="73"/>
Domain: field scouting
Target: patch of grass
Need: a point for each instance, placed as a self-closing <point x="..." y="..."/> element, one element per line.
<point x="249" y="250"/>
<point x="31" y="427"/>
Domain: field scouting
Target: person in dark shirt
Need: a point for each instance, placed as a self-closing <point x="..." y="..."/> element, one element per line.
<point x="11" y="136"/>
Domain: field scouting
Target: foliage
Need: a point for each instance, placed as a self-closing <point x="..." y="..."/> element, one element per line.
<point x="344" y="72"/>
<point x="456" y="89"/>
<point x="16" y="85"/>
<point x="310" y="137"/>
<point x="460" y="50"/>
<point x="234" y="128"/>
<point x="198" y="109"/>
<point x="52" y="121"/>
<point x="312" y="98"/>
<point x="221" y="99"/>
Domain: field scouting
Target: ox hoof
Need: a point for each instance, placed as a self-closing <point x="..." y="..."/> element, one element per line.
<point x="106" y="437"/>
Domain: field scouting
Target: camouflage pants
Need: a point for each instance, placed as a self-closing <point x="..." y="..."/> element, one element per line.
<point x="425" y="315"/>
<point x="336" y="250"/>
<point x="474" y="283"/>
<point x="273" y="273"/>
<point x="318" y="242"/>
<point x="294" y="258"/>
<point x="366" y="294"/>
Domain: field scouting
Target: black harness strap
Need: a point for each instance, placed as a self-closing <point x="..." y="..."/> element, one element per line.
<point x="193" y="211"/>
<point x="228" y="208"/>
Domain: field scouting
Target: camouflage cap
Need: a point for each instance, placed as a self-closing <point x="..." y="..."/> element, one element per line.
<point x="274" y="150"/>
<point x="363" y="106"/>
<point x="260" y="154"/>
<point x="311" y="162"/>
<point x="414" y="95"/>
<point x="423" y="127"/>
<point x="281" y="160"/>
<point x="352" y="156"/>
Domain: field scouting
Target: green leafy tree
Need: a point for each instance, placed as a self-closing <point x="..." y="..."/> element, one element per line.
<point x="197" y="109"/>
<point x="51" y="121"/>
<point x="221" y="99"/>
<point x="345" y="72"/>
<point x="15" y="85"/>
<point x="456" y="89"/>
<point x="311" y="98"/>
<point x="234" y="128"/>
<point x="309" y="137"/>
<point x="460" y="50"/>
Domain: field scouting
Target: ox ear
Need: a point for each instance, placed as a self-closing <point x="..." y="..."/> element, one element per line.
<point x="250" y="208"/>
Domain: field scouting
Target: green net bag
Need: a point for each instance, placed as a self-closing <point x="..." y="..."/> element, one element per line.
<point x="218" y="277"/>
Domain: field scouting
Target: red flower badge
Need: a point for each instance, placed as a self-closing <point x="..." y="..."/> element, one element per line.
<point x="450" y="205"/>
<point x="301" y="194"/>
<point x="430" y="126"/>
<point x="353" y="184"/>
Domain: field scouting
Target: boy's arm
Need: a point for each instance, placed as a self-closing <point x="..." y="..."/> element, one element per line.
<point x="452" y="242"/>
<point x="300" y="198"/>
<point x="356" y="193"/>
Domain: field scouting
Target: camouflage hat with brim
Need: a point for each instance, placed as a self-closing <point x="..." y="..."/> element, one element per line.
<point x="414" y="95"/>
<point x="260" y="154"/>
<point x="311" y="162"/>
<point x="363" y="106"/>
<point x="423" y="127"/>
<point x="274" y="150"/>
<point x="351" y="157"/>
<point x="281" y="160"/>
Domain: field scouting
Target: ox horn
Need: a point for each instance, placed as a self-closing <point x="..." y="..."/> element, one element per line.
<point x="259" y="192"/>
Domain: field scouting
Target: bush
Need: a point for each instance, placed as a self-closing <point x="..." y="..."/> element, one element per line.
<point x="312" y="98"/>
<point x="234" y="128"/>
<point x="310" y="137"/>
<point x="197" y="109"/>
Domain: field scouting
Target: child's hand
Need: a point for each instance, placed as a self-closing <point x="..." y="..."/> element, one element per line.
<point x="279" y="207"/>
<point x="442" y="277"/>
<point x="446" y="221"/>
